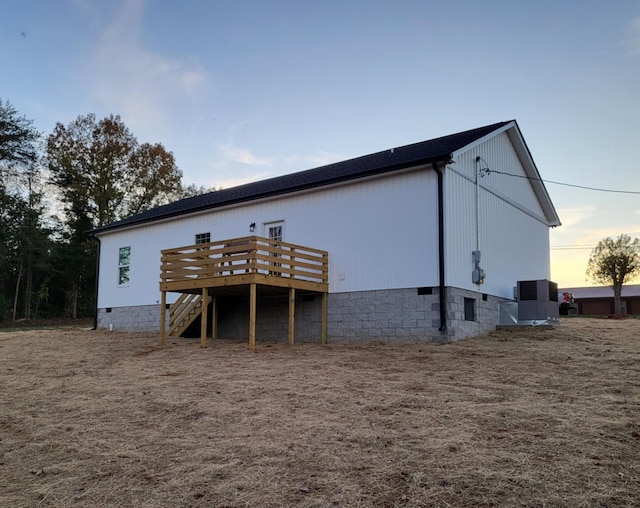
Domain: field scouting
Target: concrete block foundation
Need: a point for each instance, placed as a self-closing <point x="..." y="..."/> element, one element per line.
<point x="395" y="316"/>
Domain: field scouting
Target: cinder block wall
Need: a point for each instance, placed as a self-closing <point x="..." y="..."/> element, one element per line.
<point x="485" y="313"/>
<point x="389" y="316"/>
<point x="272" y="319"/>
<point x="140" y="318"/>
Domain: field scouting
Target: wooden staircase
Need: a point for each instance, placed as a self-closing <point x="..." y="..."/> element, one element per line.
<point x="238" y="266"/>
<point x="184" y="312"/>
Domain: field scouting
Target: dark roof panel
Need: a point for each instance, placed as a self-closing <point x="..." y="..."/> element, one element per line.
<point x="424" y="152"/>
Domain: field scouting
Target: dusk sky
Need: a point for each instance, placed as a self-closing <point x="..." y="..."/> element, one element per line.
<point x="245" y="90"/>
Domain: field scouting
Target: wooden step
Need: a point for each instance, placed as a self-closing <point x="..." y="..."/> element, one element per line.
<point x="183" y="312"/>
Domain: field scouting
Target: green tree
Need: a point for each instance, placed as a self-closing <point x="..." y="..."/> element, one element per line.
<point x="157" y="180"/>
<point x="192" y="190"/>
<point x="613" y="262"/>
<point x="18" y="138"/>
<point x="104" y="174"/>
<point x="23" y="237"/>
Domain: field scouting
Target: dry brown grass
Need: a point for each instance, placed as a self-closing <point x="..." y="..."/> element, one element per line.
<point x="530" y="418"/>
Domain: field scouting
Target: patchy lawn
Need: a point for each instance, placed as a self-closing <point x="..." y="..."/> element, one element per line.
<point x="529" y="418"/>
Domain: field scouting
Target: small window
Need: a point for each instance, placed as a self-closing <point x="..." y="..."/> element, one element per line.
<point x="425" y="291"/>
<point x="469" y="309"/>
<point x="124" y="265"/>
<point x="203" y="238"/>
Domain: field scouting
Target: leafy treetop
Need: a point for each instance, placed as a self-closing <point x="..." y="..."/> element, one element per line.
<point x="613" y="262"/>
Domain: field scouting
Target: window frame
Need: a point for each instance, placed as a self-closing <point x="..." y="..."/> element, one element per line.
<point x="203" y="238"/>
<point x="469" y="309"/>
<point x="124" y="267"/>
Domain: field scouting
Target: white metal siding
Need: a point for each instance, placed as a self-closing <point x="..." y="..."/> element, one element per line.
<point x="380" y="234"/>
<point x="500" y="155"/>
<point x="513" y="234"/>
<point x="516" y="250"/>
<point x="460" y="230"/>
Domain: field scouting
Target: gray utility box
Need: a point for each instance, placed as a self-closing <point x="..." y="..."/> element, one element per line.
<point x="537" y="300"/>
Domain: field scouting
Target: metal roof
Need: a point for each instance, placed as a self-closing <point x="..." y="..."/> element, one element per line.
<point x="425" y="152"/>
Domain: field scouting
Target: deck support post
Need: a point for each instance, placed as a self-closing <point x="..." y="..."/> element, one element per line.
<point x="214" y="318"/>
<point x="226" y="266"/>
<point x="203" y="317"/>
<point x="163" y="315"/>
<point x="292" y="313"/>
<point x="323" y="328"/>
<point x="252" y="317"/>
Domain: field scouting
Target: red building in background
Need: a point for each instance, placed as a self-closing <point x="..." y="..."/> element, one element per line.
<point x="598" y="300"/>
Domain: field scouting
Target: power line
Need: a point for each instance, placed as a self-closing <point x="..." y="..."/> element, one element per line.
<point x="599" y="189"/>
<point x="572" y="247"/>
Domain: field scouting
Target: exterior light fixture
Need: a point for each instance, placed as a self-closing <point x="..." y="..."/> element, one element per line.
<point x="252" y="227"/>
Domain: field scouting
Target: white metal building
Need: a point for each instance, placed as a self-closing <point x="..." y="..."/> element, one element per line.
<point x="400" y="227"/>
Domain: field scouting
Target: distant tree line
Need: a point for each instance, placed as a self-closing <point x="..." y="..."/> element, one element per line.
<point x="53" y="190"/>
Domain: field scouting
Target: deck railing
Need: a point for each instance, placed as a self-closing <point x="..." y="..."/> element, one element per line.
<point x="242" y="256"/>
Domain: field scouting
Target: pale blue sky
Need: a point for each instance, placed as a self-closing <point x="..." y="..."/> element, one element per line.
<point x="245" y="90"/>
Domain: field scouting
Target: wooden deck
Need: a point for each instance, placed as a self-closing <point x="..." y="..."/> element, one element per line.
<point x="244" y="263"/>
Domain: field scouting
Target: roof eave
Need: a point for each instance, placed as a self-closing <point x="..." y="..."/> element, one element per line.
<point x="531" y="169"/>
<point x="441" y="158"/>
<point x="515" y="135"/>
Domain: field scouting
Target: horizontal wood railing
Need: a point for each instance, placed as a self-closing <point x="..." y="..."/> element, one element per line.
<point x="242" y="256"/>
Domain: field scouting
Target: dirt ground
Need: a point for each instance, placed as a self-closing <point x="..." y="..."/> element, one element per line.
<point x="531" y="418"/>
